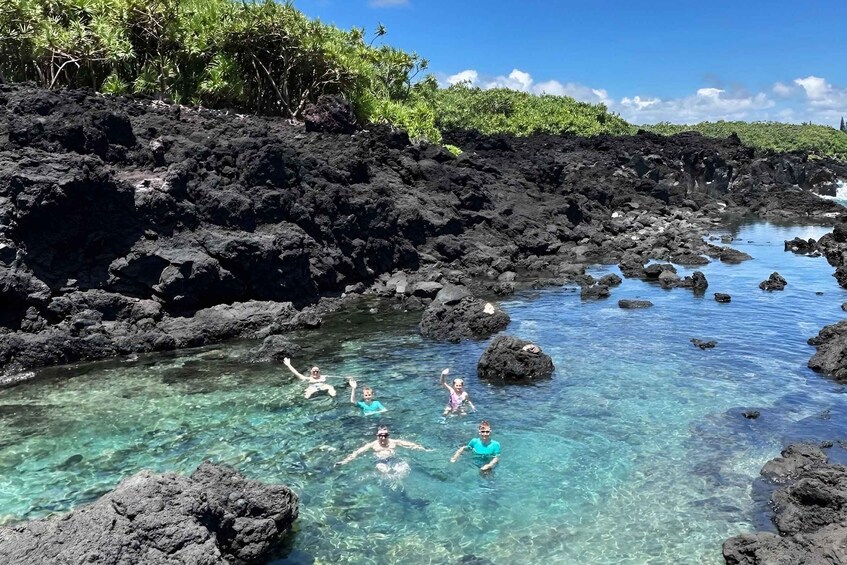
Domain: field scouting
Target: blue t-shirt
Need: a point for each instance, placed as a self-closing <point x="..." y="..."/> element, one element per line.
<point x="371" y="408"/>
<point x="489" y="451"/>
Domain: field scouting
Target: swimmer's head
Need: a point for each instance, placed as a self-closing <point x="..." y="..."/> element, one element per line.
<point x="485" y="428"/>
<point x="458" y="383"/>
<point x="368" y="393"/>
<point x="315" y="372"/>
<point x="382" y="434"/>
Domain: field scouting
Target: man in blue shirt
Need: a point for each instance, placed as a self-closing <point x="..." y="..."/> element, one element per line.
<point x="483" y="447"/>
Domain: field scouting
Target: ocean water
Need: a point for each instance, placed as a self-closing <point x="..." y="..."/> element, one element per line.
<point x="635" y="452"/>
<point x="840" y="193"/>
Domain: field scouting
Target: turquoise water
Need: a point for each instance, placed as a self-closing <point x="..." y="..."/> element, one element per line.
<point x="635" y="452"/>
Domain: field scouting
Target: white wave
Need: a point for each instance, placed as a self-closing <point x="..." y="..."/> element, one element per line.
<point x="840" y="193"/>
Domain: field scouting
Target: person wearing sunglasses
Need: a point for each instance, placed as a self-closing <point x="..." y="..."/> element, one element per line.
<point x="316" y="381"/>
<point x="384" y="448"/>
<point x="484" y="448"/>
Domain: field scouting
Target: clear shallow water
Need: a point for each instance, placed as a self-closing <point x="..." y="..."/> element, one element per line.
<point x="636" y="452"/>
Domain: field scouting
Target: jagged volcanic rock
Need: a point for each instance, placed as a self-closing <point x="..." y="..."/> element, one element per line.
<point x="467" y="318"/>
<point x="215" y="516"/>
<point x="130" y="225"/>
<point x="512" y="359"/>
<point x="809" y="513"/>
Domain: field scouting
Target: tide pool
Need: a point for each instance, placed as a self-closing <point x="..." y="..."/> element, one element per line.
<point x="635" y="452"/>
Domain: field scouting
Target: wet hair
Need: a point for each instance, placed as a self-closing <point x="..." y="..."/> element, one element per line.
<point x="382" y="429"/>
<point x="485" y="424"/>
<point x="367" y="389"/>
<point x="313" y="369"/>
<point x="458" y="382"/>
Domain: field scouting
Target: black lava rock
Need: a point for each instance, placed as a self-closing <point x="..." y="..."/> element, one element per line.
<point x="469" y="318"/>
<point x="215" y="516"/>
<point x="511" y="359"/>
<point x="774" y="282"/>
<point x="629" y="304"/>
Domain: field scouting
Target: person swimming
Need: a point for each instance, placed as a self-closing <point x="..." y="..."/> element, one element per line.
<point x="459" y="397"/>
<point x="317" y="382"/>
<point x="368" y="405"/>
<point x="484" y="448"/>
<point x="384" y="449"/>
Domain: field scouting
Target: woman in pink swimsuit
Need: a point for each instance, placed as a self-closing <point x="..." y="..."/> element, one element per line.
<point x="458" y="395"/>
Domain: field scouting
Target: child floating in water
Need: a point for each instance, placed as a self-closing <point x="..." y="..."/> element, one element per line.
<point x="315" y="379"/>
<point x="368" y="405"/>
<point x="458" y="395"/>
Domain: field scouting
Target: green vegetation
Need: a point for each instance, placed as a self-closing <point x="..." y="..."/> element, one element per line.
<point x="268" y="58"/>
<point x="813" y="139"/>
<point x="262" y="57"/>
<point x="500" y="110"/>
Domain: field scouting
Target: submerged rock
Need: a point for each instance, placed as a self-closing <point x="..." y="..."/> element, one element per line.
<point x="722" y="298"/>
<point x="215" y="516"/>
<point x="629" y="304"/>
<point x="273" y="348"/>
<point x="732" y="256"/>
<point x="710" y="344"/>
<point x="512" y="359"/>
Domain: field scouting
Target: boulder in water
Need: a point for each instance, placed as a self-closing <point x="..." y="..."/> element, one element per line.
<point x="810" y="513"/>
<point x="630" y="304"/>
<point x="273" y="348"/>
<point x="723" y="298"/>
<point x="512" y="359"/>
<point x="213" y="517"/>
<point x="710" y="344"/>
<point x="469" y="318"/>
<point x="774" y="282"/>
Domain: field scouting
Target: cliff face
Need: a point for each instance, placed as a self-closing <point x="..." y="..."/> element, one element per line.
<point x="130" y="225"/>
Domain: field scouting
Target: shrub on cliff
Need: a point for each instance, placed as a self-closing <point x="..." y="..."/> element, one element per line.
<point x="500" y="110"/>
<point x="262" y="57"/>
<point x="814" y="139"/>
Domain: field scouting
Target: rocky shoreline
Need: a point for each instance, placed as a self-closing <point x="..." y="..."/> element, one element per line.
<point x="128" y="225"/>
<point x="215" y="516"/>
<point x="809" y="512"/>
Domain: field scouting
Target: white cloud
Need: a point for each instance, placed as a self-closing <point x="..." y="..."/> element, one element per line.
<point x="816" y="88"/>
<point x="822" y="95"/>
<point x="819" y="101"/>
<point x="782" y="90"/>
<point x="387" y="3"/>
<point x="706" y="104"/>
<point x="469" y="76"/>
<point x="522" y="81"/>
<point x="637" y="103"/>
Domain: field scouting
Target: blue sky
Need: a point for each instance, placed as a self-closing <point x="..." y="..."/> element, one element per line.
<point x="682" y="61"/>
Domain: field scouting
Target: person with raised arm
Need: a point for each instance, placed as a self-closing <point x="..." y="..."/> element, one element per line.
<point x="384" y="449"/>
<point x="368" y="405"/>
<point x="317" y="382"/>
<point x="459" y="397"/>
<point x="485" y="449"/>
